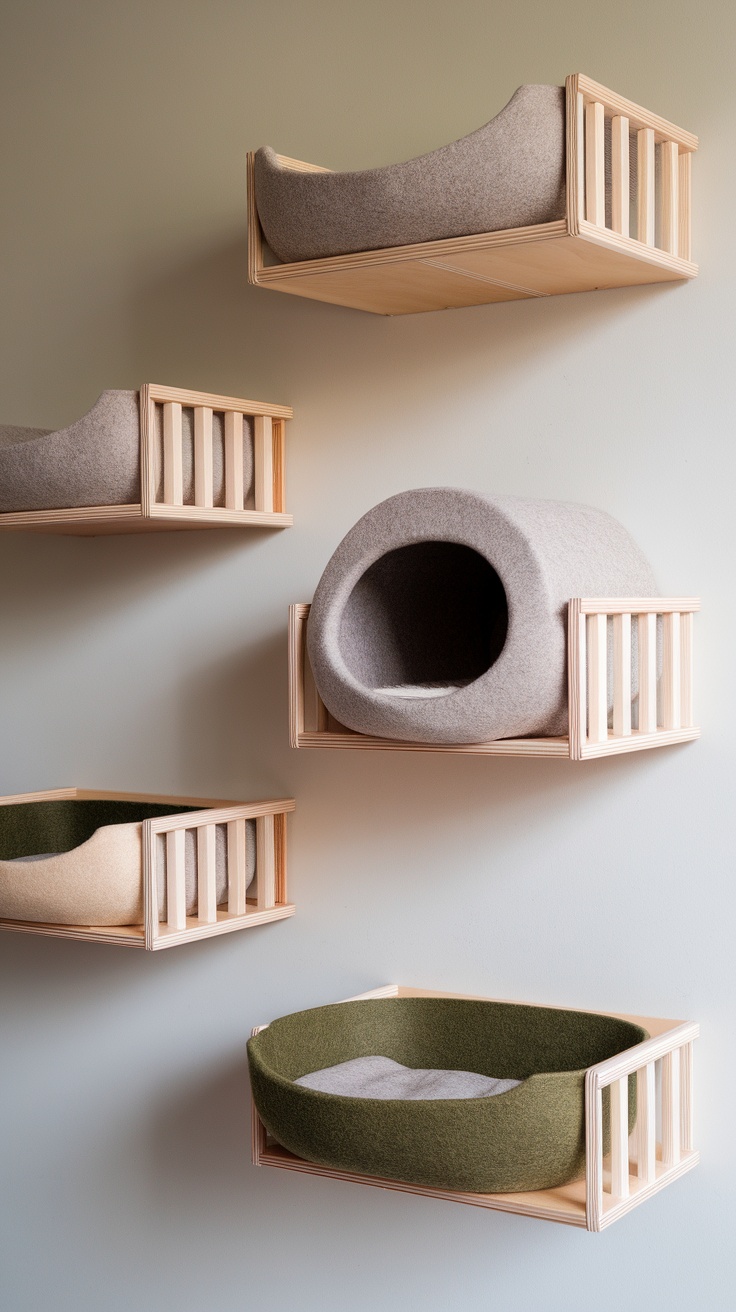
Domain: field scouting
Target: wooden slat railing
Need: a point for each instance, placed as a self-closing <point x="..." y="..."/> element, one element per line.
<point x="269" y="896"/>
<point x="591" y="695"/>
<point x="639" y="1167"/>
<point x="663" y="210"/>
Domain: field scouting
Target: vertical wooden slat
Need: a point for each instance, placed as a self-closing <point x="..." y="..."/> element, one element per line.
<point x="593" y="1153"/>
<point x="671" y="682"/>
<point x="595" y="175"/>
<point x="580" y="138"/>
<point x="684" y="240"/>
<point x="670" y="219"/>
<point x="265" y="862"/>
<point x="236" y="867"/>
<point x="686" y="1097"/>
<point x="577" y="696"/>
<point x="279" y="465"/>
<point x="279" y="840"/>
<point x="620" y="174"/>
<point x="619" y="1103"/>
<point x="203" y="491"/>
<point x="647" y="633"/>
<point x="176" y="887"/>
<point x="263" y="462"/>
<point x="173" y="477"/>
<point x="622" y="675"/>
<point x="671" y="1108"/>
<point x="207" y="874"/>
<point x="645" y="186"/>
<point x="646" y="1123"/>
<point x="597" y="678"/>
<point x="234" y="499"/>
<point x="687" y="715"/>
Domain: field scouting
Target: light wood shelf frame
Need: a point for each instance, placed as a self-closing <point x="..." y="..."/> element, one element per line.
<point x="636" y="1167"/>
<point x="269" y="900"/>
<point x="153" y="514"/>
<point x="578" y="253"/>
<point x="665" y="718"/>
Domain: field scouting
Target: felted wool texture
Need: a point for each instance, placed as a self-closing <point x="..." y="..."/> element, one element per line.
<point x="218" y="457"/>
<point x="93" y="462"/>
<point x="507" y="174"/>
<point x="449" y="586"/>
<point x="532" y="1137"/>
<point x="94" y="876"/>
<point x="381" y="1077"/>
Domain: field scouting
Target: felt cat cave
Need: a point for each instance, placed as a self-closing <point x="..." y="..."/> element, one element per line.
<point x="442" y="615"/>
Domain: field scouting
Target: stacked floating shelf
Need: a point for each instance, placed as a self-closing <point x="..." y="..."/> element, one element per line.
<point x="663" y="720"/>
<point x="162" y="506"/>
<point x="632" y="1172"/>
<point x="585" y="251"/>
<point x="269" y="901"/>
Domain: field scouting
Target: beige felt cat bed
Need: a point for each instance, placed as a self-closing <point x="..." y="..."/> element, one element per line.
<point x="163" y="458"/>
<point x="566" y="189"/>
<point x="138" y="870"/>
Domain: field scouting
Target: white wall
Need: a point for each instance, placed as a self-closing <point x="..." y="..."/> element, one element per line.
<point x="159" y="663"/>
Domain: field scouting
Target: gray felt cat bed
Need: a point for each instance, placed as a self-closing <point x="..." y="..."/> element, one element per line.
<point x="492" y="1100"/>
<point x="78" y="860"/>
<point x="558" y="193"/>
<point x="179" y="458"/>
<point x="507" y="174"/>
<point x="441" y="617"/>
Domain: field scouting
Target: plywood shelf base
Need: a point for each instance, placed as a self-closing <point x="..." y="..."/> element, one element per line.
<point x="589" y="736"/>
<point x="165" y="512"/>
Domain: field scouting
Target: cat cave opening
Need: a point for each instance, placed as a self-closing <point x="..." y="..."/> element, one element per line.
<point x="423" y="620"/>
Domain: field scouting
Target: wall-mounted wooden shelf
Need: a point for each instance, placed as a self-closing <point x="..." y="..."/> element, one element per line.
<point x="636" y="1168"/>
<point x="585" y="251"/>
<point x="162" y="506"/>
<point x="665" y="705"/>
<point x="267" y="900"/>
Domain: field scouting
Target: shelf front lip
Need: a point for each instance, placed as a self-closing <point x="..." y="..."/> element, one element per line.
<point x="417" y="252"/>
<point x="520" y="747"/>
<point x="195" y="930"/>
<point x="565" y="1213"/>
<point x="179" y="517"/>
<point x="111" y="934"/>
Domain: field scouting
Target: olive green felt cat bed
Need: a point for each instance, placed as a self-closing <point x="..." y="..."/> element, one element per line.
<point x="507" y="174"/>
<point x="79" y="862"/>
<point x="529" y="1138"/>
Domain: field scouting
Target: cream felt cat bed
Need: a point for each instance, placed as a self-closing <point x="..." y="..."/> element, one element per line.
<point x="141" y="871"/>
<point x="507" y="174"/>
<point x="79" y="862"/>
<point x="442" y="615"/>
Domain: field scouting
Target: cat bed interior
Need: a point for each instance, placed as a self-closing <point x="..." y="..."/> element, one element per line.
<point x="530" y="1137"/>
<point x="381" y="1077"/>
<point x="79" y="862"/>
<point x="441" y="616"/>
<point x="96" y="461"/>
<point x="508" y="174"/>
